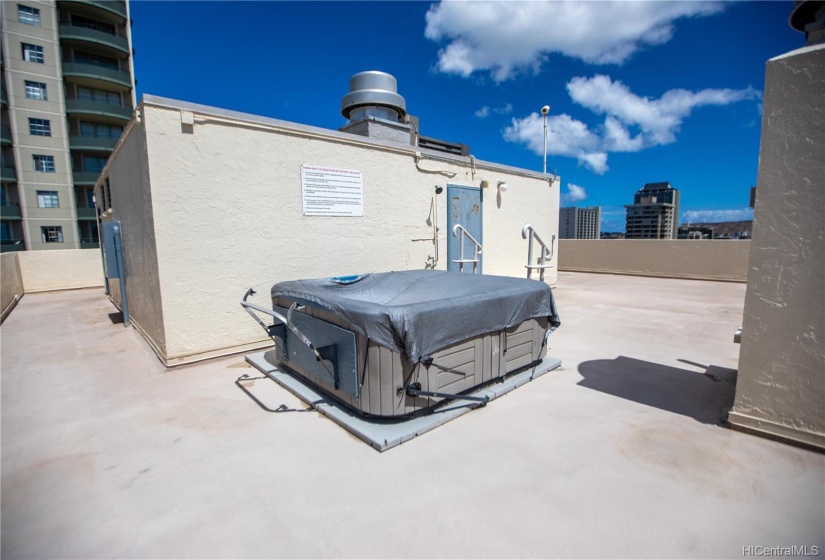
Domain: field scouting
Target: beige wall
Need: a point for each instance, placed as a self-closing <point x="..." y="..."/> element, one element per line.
<point x="227" y="212"/>
<point x="44" y="271"/>
<point x="41" y="271"/>
<point x="781" y="383"/>
<point x="11" y="283"/>
<point x="132" y="205"/>
<point x="681" y="258"/>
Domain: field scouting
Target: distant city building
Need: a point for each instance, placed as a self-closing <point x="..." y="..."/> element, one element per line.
<point x="696" y="232"/>
<point x="718" y="230"/>
<point x="611" y="235"/>
<point x="580" y="223"/>
<point x="654" y="213"/>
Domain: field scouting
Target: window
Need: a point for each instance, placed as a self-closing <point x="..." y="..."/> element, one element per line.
<point x="98" y="130"/>
<point x="28" y="15"/>
<point x="99" y="95"/>
<point x="96" y="60"/>
<point x="107" y="193"/>
<point x="36" y="90"/>
<point x="81" y="21"/>
<point x="94" y="163"/>
<point x="40" y="127"/>
<point x="44" y="164"/>
<point x="51" y="234"/>
<point x="47" y="199"/>
<point x="32" y="53"/>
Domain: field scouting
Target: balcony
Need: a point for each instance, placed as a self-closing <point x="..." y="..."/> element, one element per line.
<point x="98" y="108"/>
<point x="86" y="212"/>
<point x="10" y="211"/>
<point x="92" y="143"/>
<point x="85" y="177"/>
<point x="116" y="7"/>
<point x="95" y="72"/>
<point x="89" y="243"/>
<point x="8" y="173"/>
<point x="88" y="35"/>
<point x="12" y="245"/>
<point x="5" y="134"/>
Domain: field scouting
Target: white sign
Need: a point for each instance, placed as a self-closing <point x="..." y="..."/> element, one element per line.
<point x="330" y="191"/>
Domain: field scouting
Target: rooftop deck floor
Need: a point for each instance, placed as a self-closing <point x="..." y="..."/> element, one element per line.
<point x="107" y="454"/>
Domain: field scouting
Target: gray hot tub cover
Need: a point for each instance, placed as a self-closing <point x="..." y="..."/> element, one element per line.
<point x="418" y="312"/>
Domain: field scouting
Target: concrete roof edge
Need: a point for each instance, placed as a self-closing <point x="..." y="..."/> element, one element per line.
<point x="167" y="103"/>
<point x="800" y="50"/>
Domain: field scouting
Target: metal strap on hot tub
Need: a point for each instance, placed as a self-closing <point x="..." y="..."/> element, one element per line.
<point x="285" y="320"/>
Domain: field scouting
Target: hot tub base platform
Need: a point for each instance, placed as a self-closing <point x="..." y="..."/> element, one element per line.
<point x="385" y="435"/>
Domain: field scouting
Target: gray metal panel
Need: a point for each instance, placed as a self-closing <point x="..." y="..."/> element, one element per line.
<point x="109" y="249"/>
<point x="519" y="346"/>
<point x="335" y="344"/>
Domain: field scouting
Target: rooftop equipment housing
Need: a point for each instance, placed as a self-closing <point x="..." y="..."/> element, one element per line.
<point x="373" y="94"/>
<point x="376" y="110"/>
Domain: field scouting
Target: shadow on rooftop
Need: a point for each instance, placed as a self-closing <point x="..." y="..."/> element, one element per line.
<point x="706" y="397"/>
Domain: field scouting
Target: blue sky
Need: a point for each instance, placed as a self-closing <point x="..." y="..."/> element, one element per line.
<point x="639" y="91"/>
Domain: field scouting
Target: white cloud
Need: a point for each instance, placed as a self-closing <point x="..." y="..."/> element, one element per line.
<point x="506" y="38"/>
<point x="710" y="216"/>
<point x="653" y="121"/>
<point x="566" y="136"/>
<point x="575" y="193"/>
<point x="506" y="110"/>
<point x="484" y="112"/>
<point x="595" y="161"/>
<point x="659" y="119"/>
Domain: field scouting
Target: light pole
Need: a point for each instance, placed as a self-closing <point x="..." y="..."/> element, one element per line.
<point x="544" y="111"/>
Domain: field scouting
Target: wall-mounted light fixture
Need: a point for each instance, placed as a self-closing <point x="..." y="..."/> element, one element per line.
<point x="502" y="186"/>
<point x="439" y="189"/>
<point x="485" y="184"/>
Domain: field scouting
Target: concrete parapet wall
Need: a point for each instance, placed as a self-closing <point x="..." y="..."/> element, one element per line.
<point x="11" y="283"/>
<point x="725" y="260"/>
<point x="43" y="271"/>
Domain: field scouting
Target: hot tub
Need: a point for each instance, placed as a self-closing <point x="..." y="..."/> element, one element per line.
<point x="397" y="344"/>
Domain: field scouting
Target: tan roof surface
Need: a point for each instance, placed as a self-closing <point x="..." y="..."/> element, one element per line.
<point x="105" y="453"/>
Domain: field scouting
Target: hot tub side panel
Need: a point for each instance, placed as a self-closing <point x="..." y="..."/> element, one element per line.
<point x="455" y="368"/>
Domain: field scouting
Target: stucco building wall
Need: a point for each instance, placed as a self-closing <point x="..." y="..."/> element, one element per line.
<point x="781" y="384"/>
<point x="131" y="204"/>
<point x="11" y="283"/>
<point x="700" y="260"/>
<point x="226" y="212"/>
<point x="44" y="271"/>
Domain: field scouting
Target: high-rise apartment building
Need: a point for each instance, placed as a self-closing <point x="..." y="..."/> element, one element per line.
<point x="68" y="89"/>
<point x="580" y="223"/>
<point x="654" y="213"/>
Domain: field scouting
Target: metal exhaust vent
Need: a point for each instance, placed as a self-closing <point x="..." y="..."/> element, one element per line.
<point x="373" y="94"/>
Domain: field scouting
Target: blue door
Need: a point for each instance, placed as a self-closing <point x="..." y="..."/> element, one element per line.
<point x="463" y="207"/>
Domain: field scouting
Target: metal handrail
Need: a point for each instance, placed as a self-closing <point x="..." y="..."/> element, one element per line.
<point x="461" y="233"/>
<point x="526" y="231"/>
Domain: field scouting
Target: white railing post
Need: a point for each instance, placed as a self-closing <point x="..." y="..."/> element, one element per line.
<point x="527" y="232"/>
<point x="460" y="232"/>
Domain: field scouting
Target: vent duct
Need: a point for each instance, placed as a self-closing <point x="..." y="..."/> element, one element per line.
<point x="373" y="94"/>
